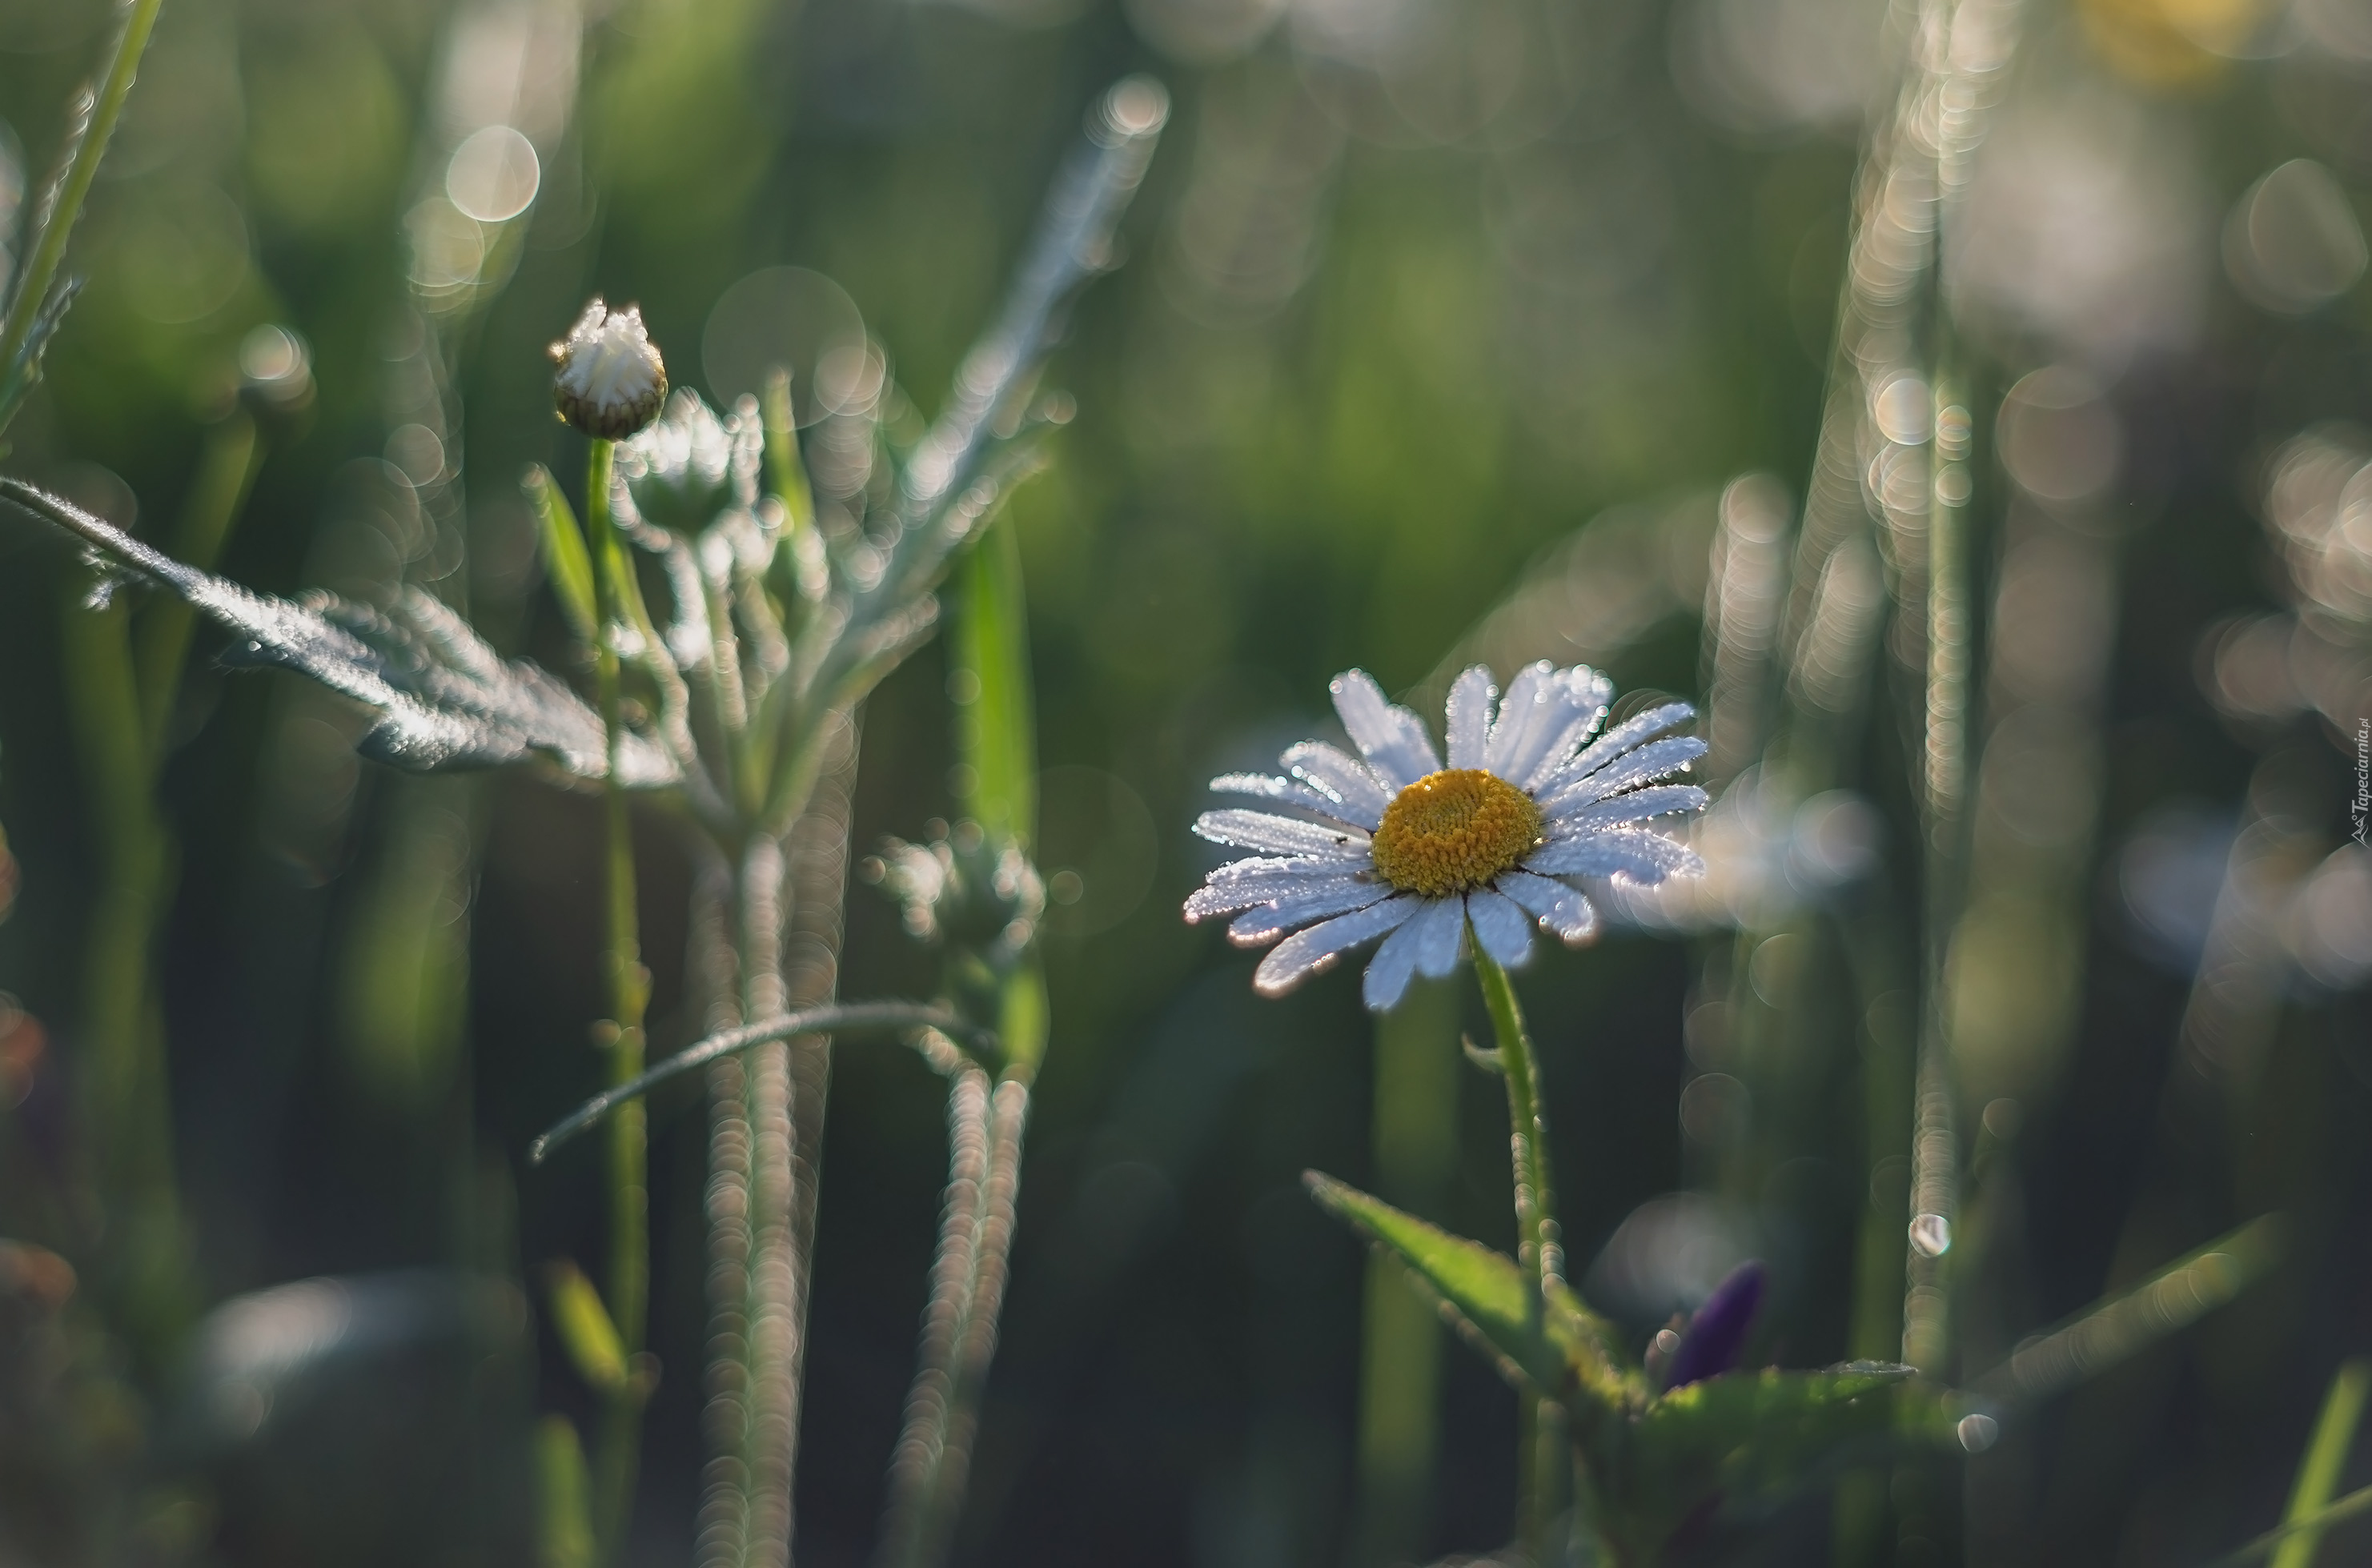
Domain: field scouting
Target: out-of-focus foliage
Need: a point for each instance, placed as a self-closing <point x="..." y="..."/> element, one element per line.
<point x="1420" y="293"/>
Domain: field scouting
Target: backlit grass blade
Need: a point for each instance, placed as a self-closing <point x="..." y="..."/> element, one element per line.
<point x="2325" y="1458"/>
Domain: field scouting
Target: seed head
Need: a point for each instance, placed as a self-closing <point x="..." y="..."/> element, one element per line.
<point x="611" y="380"/>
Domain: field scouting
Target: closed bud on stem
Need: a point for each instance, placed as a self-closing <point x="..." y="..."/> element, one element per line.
<point x="611" y="380"/>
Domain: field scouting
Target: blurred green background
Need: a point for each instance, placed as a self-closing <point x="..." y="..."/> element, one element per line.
<point x="1416" y="290"/>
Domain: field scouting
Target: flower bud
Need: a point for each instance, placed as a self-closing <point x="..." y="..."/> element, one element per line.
<point x="690" y="466"/>
<point x="610" y="381"/>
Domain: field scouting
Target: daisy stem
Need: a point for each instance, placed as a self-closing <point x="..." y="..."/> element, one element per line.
<point x="1539" y="1245"/>
<point x="629" y="989"/>
<point x="1540" y="1452"/>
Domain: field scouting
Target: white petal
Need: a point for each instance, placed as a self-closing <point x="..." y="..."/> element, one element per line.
<point x="1389" y="971"/>
<point x="1656" y="800"/>
<point x="1281" y="835"/>
<point x="1468" y="717"/>
<point x="1224" y="894"/>
<point x="1291" y="792"/>
<point x="1288" y="868"/>
<point x="1652" y="761"/>
<point x="1567" y="707"/>
<point x="1562" y="909"/>
<point x="1442" y="931"/>
<point x="1504" y="930"/>
<point x="1578" y="703"/>
<point x="1636" y="856"/>
<point x="1518" y="712"/>
<point x="1392" y="739"/>
<point x="1630" y="733"/>
<point x="1272" y="921"/>
<point x="1335" y="772"/>
<point x="1305" y="953"/>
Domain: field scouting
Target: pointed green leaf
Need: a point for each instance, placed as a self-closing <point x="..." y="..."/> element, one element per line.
<point x="1484" y="1288"/>
<point x="564" y="1496"/>
<point x="564" y="559"/>
<point x="784" y="472"/>
<point x="584" y="1329"/>
<point x="2325" y="1460"/>
<point x="996" y="726"/>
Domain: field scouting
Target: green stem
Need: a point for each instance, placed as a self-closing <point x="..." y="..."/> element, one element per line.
<point x="73" y="186"/>
<point x="124" y="1108"/>
<point x="629" y="991"/>
<point x="1540" y="1452"/>
<point x="1539" y="1244"/>
<point x="226" y="469"/>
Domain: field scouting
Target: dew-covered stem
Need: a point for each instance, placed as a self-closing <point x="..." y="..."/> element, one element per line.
<point x="95" y="113"/>
<point x="1540" y="1461"/>
<point x="1539" y="1244"/>
<point x="628" y="990"/>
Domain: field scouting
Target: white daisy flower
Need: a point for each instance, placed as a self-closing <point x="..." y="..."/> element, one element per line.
<point x="1400" y="847"/>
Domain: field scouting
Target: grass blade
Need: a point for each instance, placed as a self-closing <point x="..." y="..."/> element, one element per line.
<point x="34" y="307"/>
<point x="2325" y="1458"/>
<point x="836" y="1019"/>
<point x="2137" y="1316"/>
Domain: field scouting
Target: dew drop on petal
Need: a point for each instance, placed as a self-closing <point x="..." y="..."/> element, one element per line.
<point x="1932" y="1235"/>
<point x="1977" y="1433"/>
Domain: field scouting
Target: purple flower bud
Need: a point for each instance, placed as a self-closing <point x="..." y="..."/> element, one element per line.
<point x="1717" y="1333"/>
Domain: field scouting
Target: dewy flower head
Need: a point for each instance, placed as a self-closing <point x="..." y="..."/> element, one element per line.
<point x="1398" y="846"/>
<point x="690" y="466"/>
<point x="611" y="380"/>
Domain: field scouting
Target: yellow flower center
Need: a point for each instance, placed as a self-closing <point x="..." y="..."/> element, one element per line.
<point x="1454" y="829"/>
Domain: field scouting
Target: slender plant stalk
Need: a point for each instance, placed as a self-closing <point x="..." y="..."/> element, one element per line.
<point x="124" y="677"/>
<point x="996" y="744"/>
<point x="1935" y="1155"/>
<point x="1543" y="1461"/>
<point x="1539" y="1245"/>
<point x="97" y="115"/>
<point x="819" y="864"/>
<point x="124" y="1099"/>
<point x="758" y="1163"/>
<point x="747" y="977"/>
<point x="629" y="992"/>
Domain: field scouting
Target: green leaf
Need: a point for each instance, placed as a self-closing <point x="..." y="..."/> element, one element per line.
<point x="584" y="1329"/>
<point x="784" y="472"/>
<point x="1748" y="1440"/>
<point x="565" y="560"/>
<point x="441" y="697"/>
<point x="2325" y="1458"/>
<point x="564" y="1496"/>
<point x="1485" y="1289"/>
<point x="1756" y="1436"/>
<point x="997" y="727"/>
